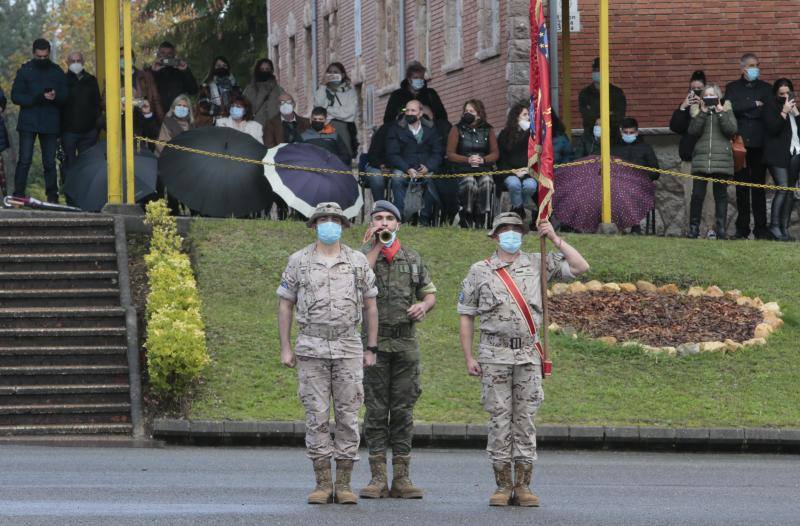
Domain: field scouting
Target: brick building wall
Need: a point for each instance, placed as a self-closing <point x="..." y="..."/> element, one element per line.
<point x="655" y="45"/>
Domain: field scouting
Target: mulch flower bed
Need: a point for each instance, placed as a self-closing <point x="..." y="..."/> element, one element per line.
<point x="655" y="319"/>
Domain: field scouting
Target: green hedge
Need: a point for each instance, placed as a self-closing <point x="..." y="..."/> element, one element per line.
<point x="176" y="340"/>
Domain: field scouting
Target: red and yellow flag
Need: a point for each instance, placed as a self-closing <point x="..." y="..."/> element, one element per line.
<point x="540" y="142"/>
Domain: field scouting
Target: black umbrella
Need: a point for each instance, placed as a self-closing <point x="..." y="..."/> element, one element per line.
<point x="86" y="182"/>
<point x="216" y="186"/>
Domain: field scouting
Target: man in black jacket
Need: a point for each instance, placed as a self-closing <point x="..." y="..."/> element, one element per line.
<point x="414" y="87"/>
<point x="172" y="74"/>
<point x="747" y="95"/>
<point x="633" y="149"/>
<point x="40" y="89"/>
<point x="589" y="106"/>
<point x="679" y="123"/>
<point x="80" y="115"/>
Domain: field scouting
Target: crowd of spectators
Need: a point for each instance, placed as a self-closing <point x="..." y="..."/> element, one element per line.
<point x="417" y="138"/>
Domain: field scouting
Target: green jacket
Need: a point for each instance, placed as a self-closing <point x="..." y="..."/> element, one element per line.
<point x="400" y="284"/>
<point x="713" y="153"/>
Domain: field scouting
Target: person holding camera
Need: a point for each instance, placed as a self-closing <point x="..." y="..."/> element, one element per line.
<point x="714" y="124"/>
<point x="406" y="294"/>
<point x="40" y="89"/>
<point x="782" y="152"/>
<point x="679" y="123"/>
<point x="172" y="74"/>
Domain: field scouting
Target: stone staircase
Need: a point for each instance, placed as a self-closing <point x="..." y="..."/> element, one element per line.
<point x="68" y="350"/>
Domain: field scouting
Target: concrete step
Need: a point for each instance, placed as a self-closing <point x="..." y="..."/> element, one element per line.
<point x="56" y="244"/>
<point x="66" y="429"/>
<point x="59" y="390"/>
<point x="75" y="279"/>
<point x="55" y="226"/>
<point x="72" y="336"/>
<point x="63" y="355"/>
<point x="59" y="414"/>
<point x="58" y="262"/>
<point x="46" y="409"/>
<point x="61" y="398"/>
<point x="73" y="298"/>
<point x="19" y="375"/>
<point x="60" y="317"/>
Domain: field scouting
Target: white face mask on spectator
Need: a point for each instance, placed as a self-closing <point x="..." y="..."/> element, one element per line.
<point x="286" y="108"/>
<point x="76" y="67"/>
<point x="237" y="112"/>
<point x="524" y="124"/>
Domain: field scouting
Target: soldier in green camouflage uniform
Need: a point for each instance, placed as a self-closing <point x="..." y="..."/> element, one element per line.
<point x="508" y="364"/>
<point x="329" y="284"/>
<point x="392" y="385"/>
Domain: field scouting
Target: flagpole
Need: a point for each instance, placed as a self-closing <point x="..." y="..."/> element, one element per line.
<point x="545" y="331"/>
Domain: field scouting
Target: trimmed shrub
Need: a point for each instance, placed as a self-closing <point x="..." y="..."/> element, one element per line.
<point x="176" y="341"/>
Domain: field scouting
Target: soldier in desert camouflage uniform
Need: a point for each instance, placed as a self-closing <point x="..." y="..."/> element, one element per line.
<point x="405" y="294"/>
<point x="329" y="284"/>
<point x="508" y="364"/>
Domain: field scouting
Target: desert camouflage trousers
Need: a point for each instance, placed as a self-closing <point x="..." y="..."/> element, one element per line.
<point x="321" y="381"/>
<point x="511" y="394"/>
<point x="392" y="388"/>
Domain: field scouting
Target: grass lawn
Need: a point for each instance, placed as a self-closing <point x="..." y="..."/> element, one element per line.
<point x="238" y="265"/>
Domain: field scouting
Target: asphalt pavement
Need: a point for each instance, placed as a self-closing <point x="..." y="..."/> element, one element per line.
<point x="179" y="486"/>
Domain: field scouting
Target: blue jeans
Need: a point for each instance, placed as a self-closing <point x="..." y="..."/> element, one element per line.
<point x="377" y="183"/>
<point x="520" y="189"/>
<point x="400" y="185"/>
<point x="48" y="142"/>
<point x="75" y="144"/>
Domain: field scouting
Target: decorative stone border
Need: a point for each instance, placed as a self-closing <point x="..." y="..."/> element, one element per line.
<point x="771" y="312"/>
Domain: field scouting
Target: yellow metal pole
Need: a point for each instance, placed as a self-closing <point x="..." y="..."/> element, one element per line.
<point x="113" y="141"/>
<point x="566" y="68"/>
<point x="605" y="120"/>
<point x="99" y="59"/>
<point x="130" y="192"/>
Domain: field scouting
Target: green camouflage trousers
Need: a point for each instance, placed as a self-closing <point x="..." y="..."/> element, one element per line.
<point x="320" y="380"/>
<point x="511" y="394"/>
<point x="391" y="388"/>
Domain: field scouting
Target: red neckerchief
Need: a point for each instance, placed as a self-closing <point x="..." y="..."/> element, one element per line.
<point x="390" y="251"/>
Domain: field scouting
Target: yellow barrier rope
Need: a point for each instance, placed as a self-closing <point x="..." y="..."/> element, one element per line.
<point x="457" y="175"/>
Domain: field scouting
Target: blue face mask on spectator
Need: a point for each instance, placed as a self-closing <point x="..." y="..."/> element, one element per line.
<point x="629" y="138"/>
<point x="417" y="84"/>
<point x="753" y="73"/>
<point x="596" y="132"/>
<point x="510" y="241"/>
<point x="329" y="232"/>
<point x="237" y="112"/>
<point x="595" y="76"/>
<point x="181" y="112"/>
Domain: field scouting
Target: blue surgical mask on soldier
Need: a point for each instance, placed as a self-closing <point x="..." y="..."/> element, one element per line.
<point x="417" y="84"/>
<point x="329" y="232"/>
<point x="237" y="112"/>
<point x="595" y="76"/>
<point x="753" y="73"/>
<point x="510" y="241"/>
<point x="181" y="112"/>
<point x="596" y="131"/>
<point x="629" y="138"/>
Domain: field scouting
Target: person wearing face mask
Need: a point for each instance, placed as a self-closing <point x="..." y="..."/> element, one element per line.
<point x="221" y="85"/>
<point x="179" y="119"/>
<point x="40" y="89"/>
<point x="414" y="87"/>
<point x="241" y="119"/>
<point x="406" y="294"/>
<point x="287" y="126"/>
<point x="632" y="148"/>
<point x="782" y="153"/>
<point x="509" y="362"/>
<point x="81" y="113"/>
<point x="327" y="286"/>
<point x="714" y="123"/>
<point x="472" y="147"/>
<point x="336" y="94"/>
<point x="263" y="91"/>
<point x="145" y="123"/>
<point x="172" y="75"/>
<point x="748" y="95"/>
<point x="321" y="133"/>
<point x="144" y="87"/>
<point x="512" y="144"/>
<point x="413" y="152"/>
<point x="589" y="106"/>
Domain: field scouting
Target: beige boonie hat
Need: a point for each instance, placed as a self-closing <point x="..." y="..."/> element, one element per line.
<point x="328" y="209"/>
<point x="507" y="218"/>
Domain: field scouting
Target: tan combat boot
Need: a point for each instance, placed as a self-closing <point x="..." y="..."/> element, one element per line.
<point x="378" y="487"/>
<point x="523" y="496"/>
<point x="502" y="476"/>
<point x="323" y="493"/>
<point x="402" y="487"/>
<point x="343" y="493"/>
